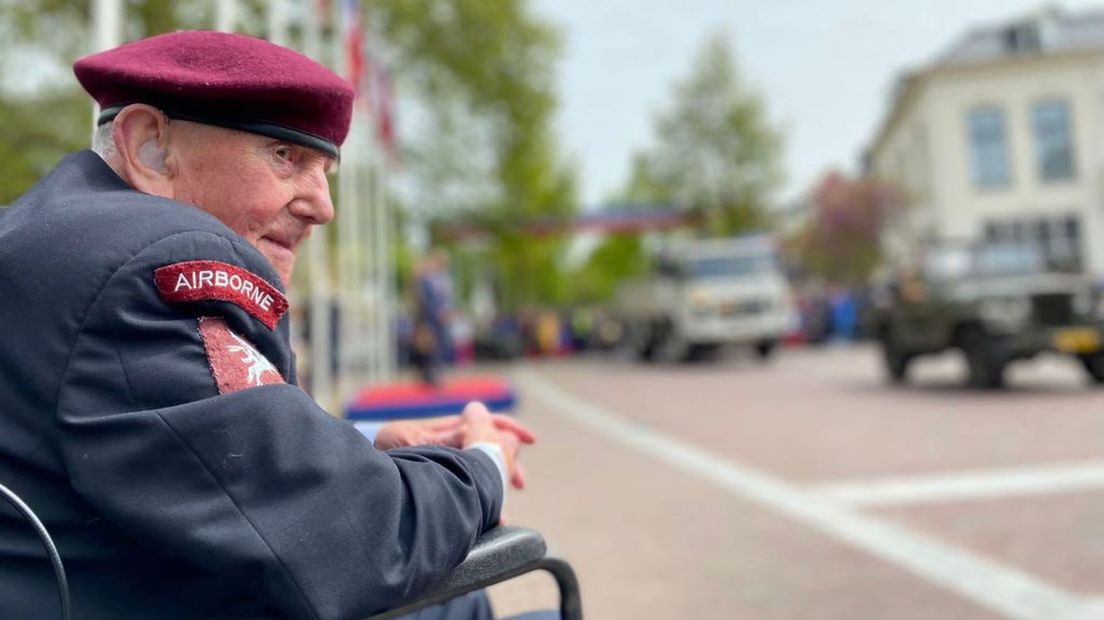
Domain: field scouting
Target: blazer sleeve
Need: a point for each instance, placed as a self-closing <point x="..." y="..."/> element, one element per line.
<point x="259" y="485"/>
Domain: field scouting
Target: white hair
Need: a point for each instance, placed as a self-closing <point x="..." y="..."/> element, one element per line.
<point x="103" y="141"/>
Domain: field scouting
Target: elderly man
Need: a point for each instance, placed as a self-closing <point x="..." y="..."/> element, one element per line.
<point x="148" y="403"/>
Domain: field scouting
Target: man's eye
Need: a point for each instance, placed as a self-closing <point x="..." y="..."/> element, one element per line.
<point x="285" y="153"/>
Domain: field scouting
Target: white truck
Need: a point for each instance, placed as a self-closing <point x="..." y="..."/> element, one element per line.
<point x="703" y="294"/>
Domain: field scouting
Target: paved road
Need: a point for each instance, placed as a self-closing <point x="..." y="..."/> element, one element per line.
<point x="808" y="488"/>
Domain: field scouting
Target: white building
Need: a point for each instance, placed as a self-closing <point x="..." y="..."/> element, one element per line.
<point x="1001" y="138"/>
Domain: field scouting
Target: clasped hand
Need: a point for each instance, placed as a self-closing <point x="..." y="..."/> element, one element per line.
<point x="476" y="424"/>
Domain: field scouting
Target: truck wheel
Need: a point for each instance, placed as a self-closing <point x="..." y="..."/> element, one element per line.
<point x="705" y="351"/>
<point x="764" y="349"/>
<point x="1094" y="366"/>
<point x="895" y="358"/>
<point x="673" y="348"/>
<point x="985" y="359"/>
<point x="640" y="341"/>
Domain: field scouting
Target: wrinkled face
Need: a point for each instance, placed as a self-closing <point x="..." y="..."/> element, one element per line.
<point x="269" y="191"/>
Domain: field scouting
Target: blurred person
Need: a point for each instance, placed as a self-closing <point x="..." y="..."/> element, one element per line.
<point x="445" y="292"/>
<point x="462" y="337"/>
<point x="844" y="312"/>
<point x="151" y="415"/>
<point x="527" y="321"/>
<point x="548" y="333"/>
<point x="501" y="340"/>
<point x="404" y="332"/>
<point x="816" y="314"/>
<point x="582" y="328"/>
<point x="431" y="339"/>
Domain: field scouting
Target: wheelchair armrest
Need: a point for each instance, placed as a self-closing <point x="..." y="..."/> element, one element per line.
<point x="498" y="555"/>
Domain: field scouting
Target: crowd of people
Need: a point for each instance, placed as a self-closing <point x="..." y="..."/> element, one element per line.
<point x="831" y="314"/>
<point x="826" y="314"/>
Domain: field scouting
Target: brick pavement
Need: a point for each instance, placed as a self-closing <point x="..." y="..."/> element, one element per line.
<point x="651" y="542"/>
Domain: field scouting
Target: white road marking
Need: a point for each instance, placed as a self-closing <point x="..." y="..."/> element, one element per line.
<point x="966" y="485"/>
<point x="986" y="582"/>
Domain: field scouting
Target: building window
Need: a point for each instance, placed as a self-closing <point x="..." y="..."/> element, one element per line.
<point x="1053" y="140"/>
<point x="1059" y="238"/>
<point x="989" y="146"/>
<point x="1023" y="38"/>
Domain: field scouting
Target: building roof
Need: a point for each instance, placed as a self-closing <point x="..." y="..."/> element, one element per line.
<point x="1047" y="30"/>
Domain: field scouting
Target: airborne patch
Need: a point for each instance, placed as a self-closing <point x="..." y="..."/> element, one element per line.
<point x="235" y="363"/>
<point x="205" y="280"/>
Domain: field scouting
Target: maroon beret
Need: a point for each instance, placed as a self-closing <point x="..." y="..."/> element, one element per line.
<point x="230" y="80"/>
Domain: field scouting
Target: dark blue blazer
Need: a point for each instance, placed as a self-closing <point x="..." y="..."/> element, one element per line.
<point x="167" y="498"/>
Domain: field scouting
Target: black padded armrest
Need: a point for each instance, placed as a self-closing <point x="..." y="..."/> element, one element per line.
<point x="498" y="555"/>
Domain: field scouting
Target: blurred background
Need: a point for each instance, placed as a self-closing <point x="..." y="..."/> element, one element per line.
<point x="803" y="299"/>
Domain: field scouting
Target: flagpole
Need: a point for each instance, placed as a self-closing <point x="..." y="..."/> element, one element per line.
<point x="107" y="27"/>
<point x="384" y="242"/>
<point x="351" y="353"/>
<point x="226" y="15"/>
<point x="374" y="342"/>
<point x="277" y="22"/>
<point x="318" y="260"/>
<point x="385" y="324"/>
<point x="107" y="24"/>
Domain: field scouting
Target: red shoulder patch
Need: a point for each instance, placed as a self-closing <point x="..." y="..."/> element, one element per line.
<point x="204" y="280"/>
<point x="235" y="363"/>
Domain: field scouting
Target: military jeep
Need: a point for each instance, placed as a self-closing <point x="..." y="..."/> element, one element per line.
<point x="997" y="303"/>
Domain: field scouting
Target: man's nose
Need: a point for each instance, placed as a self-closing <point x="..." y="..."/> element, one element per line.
<point x="313" y="202"/>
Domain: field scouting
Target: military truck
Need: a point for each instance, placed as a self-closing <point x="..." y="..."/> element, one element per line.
<point x="703" y="294"/>
<point x="997" y="303"/>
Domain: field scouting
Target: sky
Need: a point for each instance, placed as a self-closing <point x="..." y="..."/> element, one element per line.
<point x="825" y="69"/>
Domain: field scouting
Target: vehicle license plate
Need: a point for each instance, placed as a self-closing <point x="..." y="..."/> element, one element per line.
<point x="1085" y="340"/>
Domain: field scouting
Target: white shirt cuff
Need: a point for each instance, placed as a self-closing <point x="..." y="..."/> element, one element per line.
<point x="494" y="451"/>
<point x="369" y="429"/>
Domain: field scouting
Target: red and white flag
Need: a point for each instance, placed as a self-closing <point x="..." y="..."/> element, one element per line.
<point x="384" y="108"/>
<point x="353" y="37"/>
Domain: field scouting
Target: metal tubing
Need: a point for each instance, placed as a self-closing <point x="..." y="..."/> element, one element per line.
<point x="47" y="542"/>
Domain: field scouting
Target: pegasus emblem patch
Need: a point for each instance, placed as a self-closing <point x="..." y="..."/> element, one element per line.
<point x="235" y="363"/>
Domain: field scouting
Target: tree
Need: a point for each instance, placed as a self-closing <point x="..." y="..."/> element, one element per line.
<point x="35" y="133"/>
<point x="644" y="185"/>
<point x="841" y="242"/>
<point x="715" y="151"/>
<point x="490" y="157"/>
<point x="714" y="154"/>
<point x="618" y="258"/>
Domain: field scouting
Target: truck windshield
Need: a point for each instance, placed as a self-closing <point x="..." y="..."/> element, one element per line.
<point x="950" y="262"/>
<point x="727" y="266"/>
<point x="1008" y="260"/>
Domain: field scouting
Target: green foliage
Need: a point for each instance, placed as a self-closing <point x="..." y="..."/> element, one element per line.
<point x="483" y="71"/>
<point x="37" y="24"/>
<point x="35" y="134"/>
<point x="715" y="155"/>
<point x="644" y="185"/>
<point x="618" y="258"/>
<point x="715" y="152"/>
<point x="490" y="157"/>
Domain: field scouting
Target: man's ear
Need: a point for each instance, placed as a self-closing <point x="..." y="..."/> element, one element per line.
<point x="141" y="134"/>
